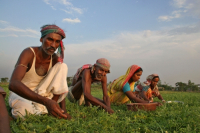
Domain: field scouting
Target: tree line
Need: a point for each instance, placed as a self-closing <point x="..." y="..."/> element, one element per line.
<point x="179" y="86"/>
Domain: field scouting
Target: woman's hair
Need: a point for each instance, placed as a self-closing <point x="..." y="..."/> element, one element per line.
<point x="155" y="77"/>
<point x="140" y="69"/>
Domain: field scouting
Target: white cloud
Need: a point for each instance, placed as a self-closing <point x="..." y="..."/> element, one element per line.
<point x="17" y="32"/>
<point x="68" y="12"/>
<point x="47" y="2"/>
<point x="3" y="22"/>
<point x="78" y="10"/>
<point x="179" y="3"/>
<point x="53" y="7"/>
<point x="66" y="4"/>
<point x="9" y="35"/>
<point x="185" y="8"/>
<point x="170" y="52"/>
<point x="165" y="18"/>
<point x="175" y="14"/>
<point x="71" y="10"/>
<point x="15" y="29"/>
<point x="76" y="20"/>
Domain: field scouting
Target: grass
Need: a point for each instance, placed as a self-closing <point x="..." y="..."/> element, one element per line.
<point x="174" y="117"/>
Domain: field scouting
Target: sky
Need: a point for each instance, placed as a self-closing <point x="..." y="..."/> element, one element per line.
<point x="161" y="36"/>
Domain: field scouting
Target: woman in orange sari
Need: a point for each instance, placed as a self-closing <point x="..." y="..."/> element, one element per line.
<point x="149" y="89"/>
<point x="122" y="90"/>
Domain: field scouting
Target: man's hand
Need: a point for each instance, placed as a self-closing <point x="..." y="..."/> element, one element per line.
<point x="54" y="109"/>
<point x="68" y="116"/>
<point x="109" y="110"/>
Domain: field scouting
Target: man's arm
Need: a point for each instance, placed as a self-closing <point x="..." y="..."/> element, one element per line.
<point x="62" y="105"/>
<point x="106" y="98"/>
<point x="22" y="90"/>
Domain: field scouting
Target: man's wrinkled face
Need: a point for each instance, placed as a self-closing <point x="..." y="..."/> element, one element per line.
<point x="136" y="76"/>
<point x="99" y="73"/>
<point x="154" y="82"/>
<point x="50" y="43"/>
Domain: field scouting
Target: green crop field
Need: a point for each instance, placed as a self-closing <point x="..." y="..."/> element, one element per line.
<point x="173" y="117"/>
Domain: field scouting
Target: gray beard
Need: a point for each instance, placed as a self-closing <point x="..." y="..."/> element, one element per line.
<point x="97" y="78"/>
<point x="47" y="52"/>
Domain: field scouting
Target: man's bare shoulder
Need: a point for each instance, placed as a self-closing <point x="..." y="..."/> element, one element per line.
<point x="28" y="51"/>
<point x="26" y="55"/>
<point x="104" y="79"/>
<point x="86" y="75"/>
<point x="86" y="72"/>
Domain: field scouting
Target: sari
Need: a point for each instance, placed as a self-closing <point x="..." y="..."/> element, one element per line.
<point x="145" y="86"/>
<point x="115" y="89"/>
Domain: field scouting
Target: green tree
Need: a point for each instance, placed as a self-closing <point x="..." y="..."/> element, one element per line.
<point x="192" y="86"/>
<point x="186" y="86"/>
<point x="166" y="86"/>
<point x="69" y="80"/>
<point x="181" y="86"/>
<point x="4" y="80"/>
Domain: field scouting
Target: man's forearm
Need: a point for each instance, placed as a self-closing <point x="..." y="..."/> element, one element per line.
<point x="107" y="100"/>
<point x="63" y="105"/>
<point x="87" y="103"/>
<point x="19" y="88"/>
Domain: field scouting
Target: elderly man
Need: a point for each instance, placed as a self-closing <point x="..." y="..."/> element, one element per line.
<point x="38" y="82"/>
<point x="4" y="119"/>
<point x="81" y="85"/>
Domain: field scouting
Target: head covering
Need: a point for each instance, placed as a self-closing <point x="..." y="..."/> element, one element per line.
<point x="46" y="29"/>
<point x="150" y="77"/>
<point x="103" y="63"/>
<point x="145" y="85"/>
<point x="122" y="80"/>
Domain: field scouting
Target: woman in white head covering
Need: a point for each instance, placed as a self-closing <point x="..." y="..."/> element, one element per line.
<point x="149" y="89"/>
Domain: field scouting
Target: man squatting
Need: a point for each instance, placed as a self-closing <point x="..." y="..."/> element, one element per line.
<point x="81" y="85"/>
<point x="38" y="82"/>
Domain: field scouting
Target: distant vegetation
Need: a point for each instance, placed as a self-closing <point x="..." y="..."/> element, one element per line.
<point x="179" y="86"/>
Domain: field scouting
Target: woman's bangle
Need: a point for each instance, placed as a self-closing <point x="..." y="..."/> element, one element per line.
<point x="163" y="100"/>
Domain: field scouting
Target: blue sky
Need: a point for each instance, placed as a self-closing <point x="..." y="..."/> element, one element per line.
<point x="160" y="36"/>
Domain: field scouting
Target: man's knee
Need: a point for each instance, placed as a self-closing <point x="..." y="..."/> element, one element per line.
<point x="61" y="65"/>
<point x="21" y="109"/>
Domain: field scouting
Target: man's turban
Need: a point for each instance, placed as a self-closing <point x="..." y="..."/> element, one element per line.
<point x="46" y="29"/>
<point x="103" y="63"/>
